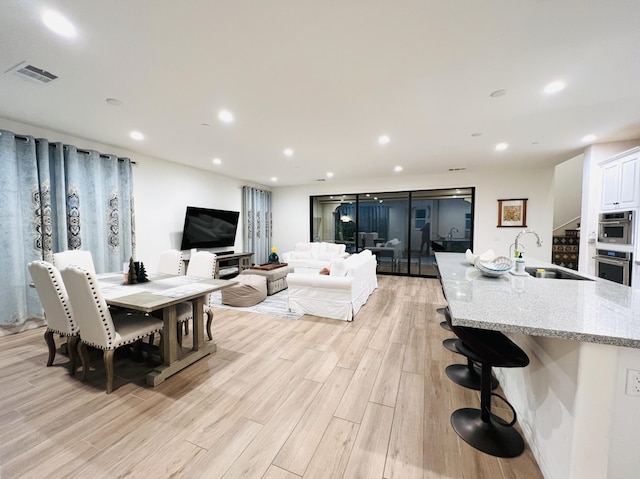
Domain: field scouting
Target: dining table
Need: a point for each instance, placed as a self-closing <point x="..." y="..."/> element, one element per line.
<point x="162" y="292"/>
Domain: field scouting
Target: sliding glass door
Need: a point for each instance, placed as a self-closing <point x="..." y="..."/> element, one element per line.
<point x="403" y="229"/>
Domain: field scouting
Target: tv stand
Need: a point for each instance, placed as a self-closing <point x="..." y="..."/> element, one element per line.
<point x="229" y="265"/>
<point x="224" y="253"/>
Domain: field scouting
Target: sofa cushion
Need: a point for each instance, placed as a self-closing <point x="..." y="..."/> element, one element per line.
<point x="338" y="267"/>
<point x="300" y="254"/>
<point x="302" y="247"/>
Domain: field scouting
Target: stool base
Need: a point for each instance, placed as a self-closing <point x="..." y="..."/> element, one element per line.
<point x="462" y="375"/>
<point x="488" y="437"/>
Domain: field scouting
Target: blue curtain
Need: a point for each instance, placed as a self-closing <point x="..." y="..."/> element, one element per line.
<point x="256" y="207"/>
<point x="54" y="197"/>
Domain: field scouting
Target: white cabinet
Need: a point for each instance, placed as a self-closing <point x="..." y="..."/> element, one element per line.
<point x="621" y="181"/>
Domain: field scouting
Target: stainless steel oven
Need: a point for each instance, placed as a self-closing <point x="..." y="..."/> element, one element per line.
<point x="616" y="227"/>
<point x="614" y="266"/>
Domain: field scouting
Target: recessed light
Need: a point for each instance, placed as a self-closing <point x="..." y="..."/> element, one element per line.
<point x="398" y="169"/>
<point x="477" y="134"/>
<point x="216" y="161"/>
<point x="589" y="138"/>
<point x="136" y="135"/>
<point x="59" y="24"/>
<point x="287" y="152"/>
<point x="501" y="146"/>
<point x="274" y="178"/>
<point x="113" y="102"/>
<point x="498" y="93"/>
<point x="225" y="116"/>
<point x="554" y="87"/>
<point x="383" y="139"/>
<point x="329" y="174"/>
<point x="205" y="124"/>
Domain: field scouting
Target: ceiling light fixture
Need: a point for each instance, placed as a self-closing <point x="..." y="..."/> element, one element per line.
<point x="554" y="87"/>
<point x="136" y="135"/>
<point x="274" y="179"/>
<point x="589" y="138"/>
<point x="398" y="169"/>
<point x="225" y="116"/>
<point x="329" y="174"/>
<point x="288" y="152"/>
<point x="383" y="139"/>
<point x="501" y="146"/>
<point x="59" y="24"/>
<point x="498" y="93"/>
<point x="113" y="102"/>
<point x="217" y="161"/>
<point x="477" y="134"/>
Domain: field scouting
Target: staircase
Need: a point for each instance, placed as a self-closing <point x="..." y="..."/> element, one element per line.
<point x="565" y="249"/>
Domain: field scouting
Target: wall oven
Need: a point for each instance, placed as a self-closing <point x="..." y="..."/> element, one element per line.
<point x="616" y="227"/>
<point x="614" y="266"/>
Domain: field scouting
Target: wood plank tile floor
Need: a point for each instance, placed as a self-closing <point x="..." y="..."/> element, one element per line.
<point x="280" y="399"/>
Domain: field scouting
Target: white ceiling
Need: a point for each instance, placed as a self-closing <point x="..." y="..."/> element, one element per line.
<point x="326" y="78"/>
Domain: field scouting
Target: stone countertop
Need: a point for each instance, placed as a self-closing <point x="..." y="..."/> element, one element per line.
<point x="598" y="311"/>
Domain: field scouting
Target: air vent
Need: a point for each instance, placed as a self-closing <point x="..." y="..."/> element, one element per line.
<point x="457" y="169"/>
<point x="33" y="74"/>
<point x="319" y="179"/>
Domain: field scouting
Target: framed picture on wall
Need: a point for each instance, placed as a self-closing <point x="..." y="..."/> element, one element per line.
<point x="512" y="213"/>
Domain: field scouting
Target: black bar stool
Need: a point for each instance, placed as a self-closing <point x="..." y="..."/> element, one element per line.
<point x="465" y="375"/>
<point x="480" y="427"/>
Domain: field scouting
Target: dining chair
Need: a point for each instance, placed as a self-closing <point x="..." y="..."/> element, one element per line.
<point x="78" y="257"/>
<point x="57" y="310"/>
<point x="170" y="262"/>
<point x="202" y="264"/>
<point x="101" y="328"/>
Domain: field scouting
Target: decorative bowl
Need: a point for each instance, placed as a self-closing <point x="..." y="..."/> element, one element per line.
<point x="495" y="267"/>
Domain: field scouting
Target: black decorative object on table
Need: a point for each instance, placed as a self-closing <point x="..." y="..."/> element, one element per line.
<point x="132" y="278"/>
<point x="141" y="274"/>
<point x="273" y="257"/>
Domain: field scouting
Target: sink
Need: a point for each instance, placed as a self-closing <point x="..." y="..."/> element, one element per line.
<point x="552" y="273"/>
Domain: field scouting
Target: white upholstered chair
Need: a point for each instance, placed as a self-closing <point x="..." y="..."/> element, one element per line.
<point x="202" y="264"/>
<point x="170" y="262"/>
<point x="78" y="257"/>
<point x="99" y="327"/>
<point x="57" y="310"/>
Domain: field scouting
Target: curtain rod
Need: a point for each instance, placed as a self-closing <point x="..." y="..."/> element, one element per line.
<point x="79" y="150"/>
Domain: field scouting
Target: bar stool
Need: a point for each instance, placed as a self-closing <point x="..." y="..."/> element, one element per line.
<point x="481" y="428"/>
<point x="465" y="375"/>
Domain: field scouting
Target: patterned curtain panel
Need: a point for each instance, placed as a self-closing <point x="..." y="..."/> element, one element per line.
<point x="55" y="197"/>
<point x="256" y="205"/>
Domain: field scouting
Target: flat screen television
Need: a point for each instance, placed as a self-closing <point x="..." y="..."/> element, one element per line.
<point x="207" y="228"/>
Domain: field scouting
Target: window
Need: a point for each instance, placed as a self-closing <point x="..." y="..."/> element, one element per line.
<point x="403" y="229"/>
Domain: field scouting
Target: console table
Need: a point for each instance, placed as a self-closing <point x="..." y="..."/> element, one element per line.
<point x="230" y="264"/>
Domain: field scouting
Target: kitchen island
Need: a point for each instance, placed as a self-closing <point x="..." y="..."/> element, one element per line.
<point x="582" y="337"/>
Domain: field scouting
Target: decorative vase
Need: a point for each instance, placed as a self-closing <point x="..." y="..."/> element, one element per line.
<point x="273" y="258"/>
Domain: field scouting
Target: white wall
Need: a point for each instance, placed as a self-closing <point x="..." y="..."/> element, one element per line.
<point x="567" y="191"/>
<point x="291" y="204"/>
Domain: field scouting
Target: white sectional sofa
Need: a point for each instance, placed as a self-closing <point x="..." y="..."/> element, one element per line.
<point x="339" y="295"/>
<point x="312" y="257"/>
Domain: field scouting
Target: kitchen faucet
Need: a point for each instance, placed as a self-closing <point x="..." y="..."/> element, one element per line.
<point x="450" y="235"/>
<point x="517" y="242"/>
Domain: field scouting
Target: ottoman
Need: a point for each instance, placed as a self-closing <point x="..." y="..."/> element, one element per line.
<point x="250" y="290"/>
<point x="276" y="278"/>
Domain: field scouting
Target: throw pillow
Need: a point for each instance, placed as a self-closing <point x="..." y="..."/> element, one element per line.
<point x="325" y="271"/>
<point x="338" y="267"/>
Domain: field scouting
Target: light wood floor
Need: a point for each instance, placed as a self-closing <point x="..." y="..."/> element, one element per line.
<point x="281" y="399"/>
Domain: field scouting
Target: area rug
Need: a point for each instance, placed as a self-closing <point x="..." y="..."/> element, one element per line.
<point x="275" y="305"/>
